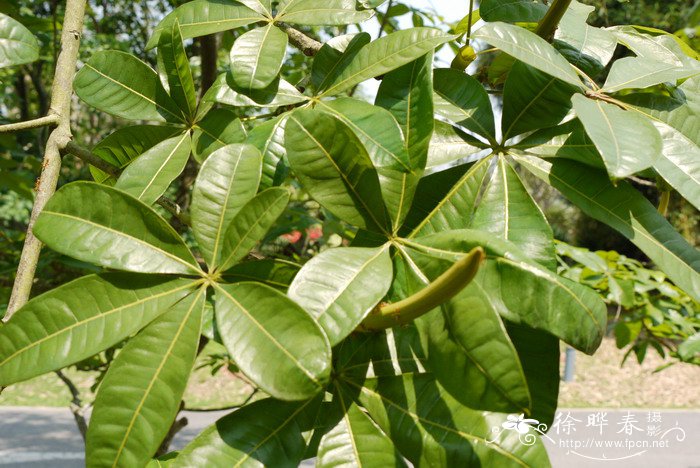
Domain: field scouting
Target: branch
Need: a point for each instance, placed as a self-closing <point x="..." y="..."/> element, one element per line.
<point x="444" y="288"/>
<point x="309" y="46"/>
<point x="60" y="109"/>
<point x="76" y="406"/>
<point x="46" y="121"/>
<point x="548" y="24"/>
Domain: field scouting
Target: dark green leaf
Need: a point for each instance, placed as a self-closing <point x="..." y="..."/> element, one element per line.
<point x="251" y="223"/>
<point x="120" y="84"/>
<point x="273" y="340"/>
<point x="172" y="56"/>
<point x="257" y="56"/>
<point x="17" y="44"/>
<point x="149" y="176"/>
<point x="128" y="236"/>
<point x="140" y="395"/>
<point x="333" y="165"/>
<point x="220" y="127"/>
<point x="341" y="286"/>
<point x="80" y="319"/>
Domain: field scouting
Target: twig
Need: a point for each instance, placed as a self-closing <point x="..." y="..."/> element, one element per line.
<point x="385" y="20"/>
<point x="46" y="121"/>
<point x="61" y="93"/>
<point x="548" y="25"/>
<point x="301" y="41"/>
<point x="76" y="406"/>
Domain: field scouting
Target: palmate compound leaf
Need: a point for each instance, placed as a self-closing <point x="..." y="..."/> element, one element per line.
<point x="264" y="433"/>
<point x="341" y="286"/>
<point x="430" y="428"/>
<point x="519" y="289"/>
<point x="149" y="176"/>
<point x="17" y="44"/>
<point x="82" y="318"/>
<point x="272" y="340"/>
<point x="120" y="84"/>
<point x="333" y="165"/>
<point x="113" y="230"/>
<point x="141" y="393"/>
<point x="494" y="201"/>
<point x="448" y="144"/>
<point x="627" y="211"/>
<point x="228" y="179"/>
<point x="385" y="54"/>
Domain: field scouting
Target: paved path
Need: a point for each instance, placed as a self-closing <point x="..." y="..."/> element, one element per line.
<point x="47" y="438"/>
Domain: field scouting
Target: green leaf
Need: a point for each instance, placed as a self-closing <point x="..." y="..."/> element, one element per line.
<point x="407" y="93"/>
<point x="276" y="273"/>
<point x="334" y="56"/>
<point x="453" y="209"/>
<point x="202" y="17"/>
<point x="82" y="318"/>
<point x="273" y="340"/>
<point x="333" y="165"/>
<point x="538" y="352"/>
<point x="172" y="56"/>
<point x="430" y="428"/>
<point x="278" y="93"/>
<point x="520" y="290"/>
<point x="512" y="11"/>
<point x="635" y="72"/>
<point x="507" y="210"/>
<point x="529" y="48"/>
<point x="386" y="54"/>
<point x="356" y="441"/>
<point x="329" y="13"/>
<point x="219" y="128"/>
<point x="150" y="175"/>
<point x="463" y="100"/>
<point x="228" y="179"/>
<point x="257" y="57"/>
<point x="264" y="7"/>
<point x="449" y="144"/>
<point x="679" y="163"/>
<point x="679" y="109"/>
<point x="251" y="224"/>
<point x="127" y="144"/>
<point x="627" y="211"/>
<point x="140" y="395"/>
<point x="341" y="286"/>
<point x="263" y="433"/>
<point x="17" y="44"/>
<point x="628" y="142"/>
<point x="128" y="236"/>
<point x="381" y="136"/>
<point x="120" y="84"/>
<point x="589" y="43"/>
<point x="568" y="140"/>
<point x="690" y="347"/>
<point x="269" y="139"/>
<point x="533" y="100"/>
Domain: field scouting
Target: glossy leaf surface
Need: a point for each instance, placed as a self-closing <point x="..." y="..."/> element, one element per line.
<point x="273" y="341"/>
<point x="128" y="236"/>
<point x="341" y="286"/>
